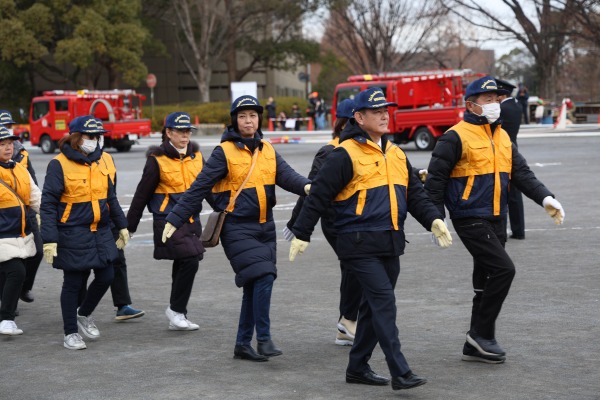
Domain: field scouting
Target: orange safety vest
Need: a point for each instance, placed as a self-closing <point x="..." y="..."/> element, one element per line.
<point x="176" y="176"/>
<point x="238" y="165"/>
<point x="18" y="179"/>
<point x="83" y="184"/>
<point x="484" y="157"/>
<point x="372" y="169"/>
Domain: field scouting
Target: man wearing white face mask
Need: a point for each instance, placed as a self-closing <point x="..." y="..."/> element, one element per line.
<point x="472" y="168"/>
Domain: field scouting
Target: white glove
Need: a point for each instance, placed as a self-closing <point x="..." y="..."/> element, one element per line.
<point x="423" y="175"/>
<point x="39" y="220"/>
<point x="554" y="209"/>
<point x="287" y="234"/>
<point x="168" y="231"/>
<point x="50" y="252"/>
<point x="123" y="239"/>
<point x="307" y="189"/>
<point x="440" y="235"/>
<point x="297" y="247"/>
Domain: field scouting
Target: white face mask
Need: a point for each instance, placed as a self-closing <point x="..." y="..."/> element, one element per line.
<point x="490" y="111"/>
<point x="101" y="141"/>
<point x="88" y="146"/>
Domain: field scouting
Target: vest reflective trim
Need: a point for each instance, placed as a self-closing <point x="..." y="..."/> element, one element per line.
<point x="18" y="179"/>
<point x="176" y="176"/>
<point x="25" y="159"/>
<point x="238" y="165"/>
<point x="483" y="154"/>
<point x="372" y="169"/>
<point x="83" y="184"/>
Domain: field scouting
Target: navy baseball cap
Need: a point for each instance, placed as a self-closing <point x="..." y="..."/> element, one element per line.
<point x="6" y="134"/>
<point x="87" y="124"/>
<point x="246" y="103"/>
<point x="179" y="120"/>
<point x="345" y="109"/>
<point x="484" y="85"/>
<point x="371" y="98"/>
<point x="6" y="118"/>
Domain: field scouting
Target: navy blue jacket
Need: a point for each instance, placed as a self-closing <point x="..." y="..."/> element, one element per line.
<point x="79" y="248"/>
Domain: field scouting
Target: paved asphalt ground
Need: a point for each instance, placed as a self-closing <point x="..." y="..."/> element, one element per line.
<point x="550" y="324"/>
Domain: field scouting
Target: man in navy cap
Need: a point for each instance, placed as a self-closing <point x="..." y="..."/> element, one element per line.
<point x="472" y="168"/>
<point x="369" y="183"/>
<point x="511" y="114"/>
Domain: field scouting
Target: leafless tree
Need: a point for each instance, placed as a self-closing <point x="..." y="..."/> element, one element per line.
<point x="545" y="35"/>
<point x="380" y="35"/>
<point x="201" y="28"/>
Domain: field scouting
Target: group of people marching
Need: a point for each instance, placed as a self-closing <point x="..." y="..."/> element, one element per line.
<point x="361" y="186"/>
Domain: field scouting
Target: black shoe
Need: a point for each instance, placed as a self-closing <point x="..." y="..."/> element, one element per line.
<point x="247" y="353"/>
<point x="470" y="353"/>
<point x="366" y="378"/>
<point x="268" y="349"/>
<point x="518" y="237"/>
<point x="488" y="347"/>
<point x="27" y="296"/>
<point x="407" y="382"/>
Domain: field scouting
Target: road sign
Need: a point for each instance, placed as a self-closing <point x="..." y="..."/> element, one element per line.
<point x="151" y="81"/>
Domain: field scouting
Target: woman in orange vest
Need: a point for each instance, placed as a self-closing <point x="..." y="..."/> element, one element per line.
<point x="170" y="169"/>
<point x="18" y="193"/>
<point x="248" y="235"/>
<point x="78" y="204"/>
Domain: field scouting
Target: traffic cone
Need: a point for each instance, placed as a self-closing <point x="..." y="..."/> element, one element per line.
<point x="196" y="120"/>
<point x="561" y="121"/>
<point x="310" y="125"/>
<point x="271" y="125"/>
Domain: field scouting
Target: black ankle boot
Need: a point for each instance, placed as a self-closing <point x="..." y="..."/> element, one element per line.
<point x="268" y="349"/>
<point x="247" y="353"/>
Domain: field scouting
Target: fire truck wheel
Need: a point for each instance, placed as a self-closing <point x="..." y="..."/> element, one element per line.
<point x="47" y="144"/>
<point x="123" y="148"/>
<point x="424" y="139"/>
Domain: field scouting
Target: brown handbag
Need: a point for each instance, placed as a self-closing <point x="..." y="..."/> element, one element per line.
<point x="212" y="230"/>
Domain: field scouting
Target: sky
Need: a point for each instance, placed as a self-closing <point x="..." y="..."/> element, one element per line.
<point x="314" y="26"/>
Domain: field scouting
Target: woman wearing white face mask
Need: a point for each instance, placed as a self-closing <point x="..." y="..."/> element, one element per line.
<point x="78" y="204"/>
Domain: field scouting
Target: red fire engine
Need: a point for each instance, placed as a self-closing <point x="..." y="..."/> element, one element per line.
<point x="429" y="102"/>
<point x="120" y="111"/>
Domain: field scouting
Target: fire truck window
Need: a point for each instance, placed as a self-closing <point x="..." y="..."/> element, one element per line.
<point x="347" y="93"/>
<point x="40" y="109"/>
<point x="61" y="105"/>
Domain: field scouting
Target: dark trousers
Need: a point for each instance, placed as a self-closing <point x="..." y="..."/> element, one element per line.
<point x="516" y="213"/>
<point x="493" y="270"/>
<point x="183" y="274"/>
<point x="256" y="307"/>
<point x="119" y="288"/>
<point x="377" y="315"/>
<point x="12" y="273"/>
<point x="31" y="263"/>
<point x="350" y="289"/>
<point x="73" y="283"/>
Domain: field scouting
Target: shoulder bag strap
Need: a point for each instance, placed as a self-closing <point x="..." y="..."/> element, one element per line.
<point x="232" y="201"/>
<point x="14" y="192"/>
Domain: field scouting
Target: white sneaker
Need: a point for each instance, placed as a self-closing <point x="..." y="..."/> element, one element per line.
<point x="87" y="326"/>
<point x="347" y="327"/>
<point x="74" y="342"/>
<point x="178" y="321"/>
<point x="8" y="327"/>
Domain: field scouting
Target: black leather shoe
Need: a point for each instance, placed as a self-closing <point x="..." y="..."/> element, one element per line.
<point x="518" y="237"/>
<point x="247" y="353"/>
<point x="268" y="349"/>
<point x="408" y="382"/>
<point x="366" y="378"/>
<point x="27" y="296"/>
